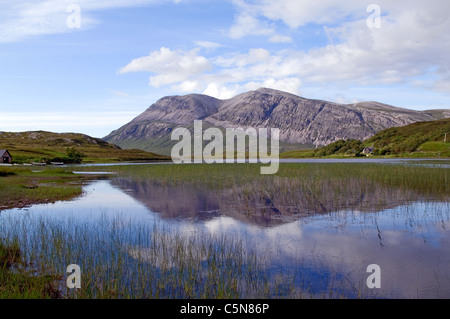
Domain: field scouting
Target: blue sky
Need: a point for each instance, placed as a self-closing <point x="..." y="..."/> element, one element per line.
<point x="126" y="54"/>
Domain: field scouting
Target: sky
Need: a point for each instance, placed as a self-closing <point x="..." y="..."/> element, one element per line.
<point x="92" y="66"/>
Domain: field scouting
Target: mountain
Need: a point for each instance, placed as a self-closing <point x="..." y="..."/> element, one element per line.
<point x="41" y="146"/>
<point x="301" y="121"/>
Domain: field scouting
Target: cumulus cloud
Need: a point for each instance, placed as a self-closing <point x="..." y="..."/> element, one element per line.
<point x="290" y="84"/>
<point x="408" y="45"/>
<point x="169" y="66"/>
<point x="220" y="76"/>
<point x="412" y="43"/>
<point x="221" y="91"/>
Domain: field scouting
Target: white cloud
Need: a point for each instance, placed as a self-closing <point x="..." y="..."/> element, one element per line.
<point x="413" y="38"/>
<point x="296" y="13"/>
<point x="21" y="19"/>
<point x="280" y="39"/>
<point x="169" y="66"/>
<point x="341" y="99"/>
<point x="405" y="47"/>
<point x="187" y="86"/>
<point x="209" y="45"/>
<point x="221" y="91"/>
<point x="220" y="76"/>
<point x="291" y="84"/>
<point x="246" y="24"/>
<point x="412" y="43"/>
<point x="239" y="60"/>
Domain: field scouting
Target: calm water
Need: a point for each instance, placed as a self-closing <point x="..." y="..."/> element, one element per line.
<point x="441" y="162"/>
<point x="409" y="240"/>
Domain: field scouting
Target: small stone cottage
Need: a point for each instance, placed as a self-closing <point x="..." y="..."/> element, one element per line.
<point x="368" y="150"/>
<point x="5" y="157"/>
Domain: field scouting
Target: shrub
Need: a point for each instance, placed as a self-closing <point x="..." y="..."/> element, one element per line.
<point x="74" y="155"/>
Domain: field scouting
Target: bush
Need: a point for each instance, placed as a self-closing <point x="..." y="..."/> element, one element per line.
<point x="341" y="147"/>
<point x="74" y="155"/>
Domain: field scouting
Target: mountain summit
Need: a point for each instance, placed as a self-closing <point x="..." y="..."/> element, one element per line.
<point x="300" y="120"/>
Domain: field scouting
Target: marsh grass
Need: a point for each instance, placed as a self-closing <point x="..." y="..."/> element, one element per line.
<point x="432" y="180"/>
<point x="124" y="259"/>
<point x="121" y="259"/>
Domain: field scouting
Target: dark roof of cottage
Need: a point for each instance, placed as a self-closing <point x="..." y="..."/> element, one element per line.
<point x="2" y="152"/>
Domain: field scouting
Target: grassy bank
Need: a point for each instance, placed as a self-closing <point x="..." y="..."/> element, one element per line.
<point x="20" y="187"/>
<point x="41" y="146"/>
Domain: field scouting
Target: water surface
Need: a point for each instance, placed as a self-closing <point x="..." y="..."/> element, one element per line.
<point x="327" y="243"/>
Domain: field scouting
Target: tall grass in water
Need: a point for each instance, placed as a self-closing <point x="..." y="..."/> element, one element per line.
<point x="123" y="259"/>
<point x="426" y="180"/>
<point x="297" y="189"/>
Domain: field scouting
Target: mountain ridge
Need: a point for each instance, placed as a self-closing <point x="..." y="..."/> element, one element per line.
<point x="301" y="121"/>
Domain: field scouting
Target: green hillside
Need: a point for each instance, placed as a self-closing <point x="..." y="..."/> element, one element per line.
<point x="421" y="139"/>
<point x="41" y="146"/>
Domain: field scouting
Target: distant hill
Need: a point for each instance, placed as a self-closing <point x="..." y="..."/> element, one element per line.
<point x="41" y="146"/>
<point x="302" y="122"/>
<point x="417" y="139"/>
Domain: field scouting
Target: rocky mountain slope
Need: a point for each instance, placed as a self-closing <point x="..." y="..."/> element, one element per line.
<point x="300" y="120"/>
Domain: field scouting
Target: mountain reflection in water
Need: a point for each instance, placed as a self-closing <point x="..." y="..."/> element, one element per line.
<point x="245" y="204"/>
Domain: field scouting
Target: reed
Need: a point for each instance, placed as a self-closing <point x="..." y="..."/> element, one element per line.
<point x="122" y="259"/>
<point x="223" y="176"/>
